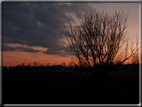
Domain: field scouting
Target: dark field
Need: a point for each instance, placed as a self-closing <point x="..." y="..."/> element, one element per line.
<point x="68" y="89"/>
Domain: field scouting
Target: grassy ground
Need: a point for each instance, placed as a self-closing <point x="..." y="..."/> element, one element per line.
<point x="68" y="89"/>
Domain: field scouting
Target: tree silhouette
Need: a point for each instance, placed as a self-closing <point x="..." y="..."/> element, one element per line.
<point x="35" y="63"/>
<point x="63" y="64"/>
<point x="47" y="64"/>
<point x="29" y="64"/>
<point x="96" y="42"/>
<point x="23" y="64"/>
<point x="135" y="57"/>
<point x="71" y="63"/>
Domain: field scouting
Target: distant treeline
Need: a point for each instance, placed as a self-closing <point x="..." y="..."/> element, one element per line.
<point x="38" y="68"/>
<point x="61" y="68"/>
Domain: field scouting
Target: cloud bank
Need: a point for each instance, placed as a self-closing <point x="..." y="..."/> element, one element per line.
<point x="39" y="24"/>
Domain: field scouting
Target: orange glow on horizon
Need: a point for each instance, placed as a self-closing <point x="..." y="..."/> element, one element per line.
<point x="15" y="58"/>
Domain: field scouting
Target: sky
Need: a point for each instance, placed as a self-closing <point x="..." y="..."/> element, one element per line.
<point x="36" y="31"/>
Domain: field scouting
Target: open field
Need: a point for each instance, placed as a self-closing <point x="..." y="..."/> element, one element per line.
<point x="68" y="89"/>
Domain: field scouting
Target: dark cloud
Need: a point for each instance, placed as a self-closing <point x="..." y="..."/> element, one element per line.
<point x="38" y="24"/>
<point x="62" y="51"/>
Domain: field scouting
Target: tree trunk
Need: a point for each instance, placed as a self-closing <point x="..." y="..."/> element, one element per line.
<point x="98" y="88"/>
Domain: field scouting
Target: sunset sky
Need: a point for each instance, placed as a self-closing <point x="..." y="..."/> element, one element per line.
<point x="36" y="31"/>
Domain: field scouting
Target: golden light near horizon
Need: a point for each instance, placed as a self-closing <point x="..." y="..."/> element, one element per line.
<point x="25" y="46"/>
<point x="25" y="57"/>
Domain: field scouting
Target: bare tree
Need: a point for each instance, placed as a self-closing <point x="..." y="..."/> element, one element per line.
<point x="47" y="64"/>
<point x="135" y="57"/>
<point x="63" y="64"/>
<point x="35" y="63"/>
<point x="29" y="64"/>
<point x="23" y="64"/>
<point x="96" y="42"/>
<point x="70" y="63"/>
